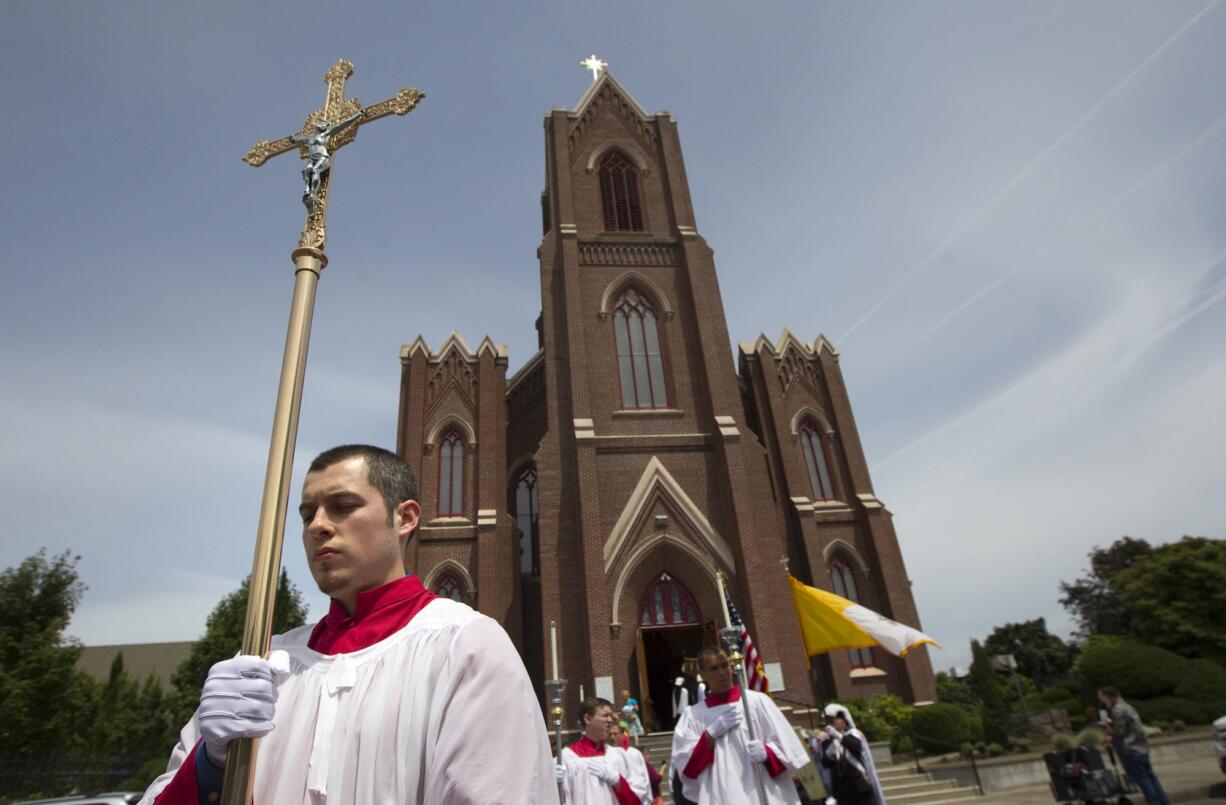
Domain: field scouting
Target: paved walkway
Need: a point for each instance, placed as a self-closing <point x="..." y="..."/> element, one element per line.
<point x="1197" y="781"/>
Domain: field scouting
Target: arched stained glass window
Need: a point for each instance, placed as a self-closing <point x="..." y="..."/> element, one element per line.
<point x="450" y="586"/>
<point x="526" y="517"/>
<point x="845" y="585"/>
<point x="640" y="366"/>
<point x="451" y="475"/>
<point x="619" y="194"/>
<point x="666" y="602"/>
<point x="814" y="449"/>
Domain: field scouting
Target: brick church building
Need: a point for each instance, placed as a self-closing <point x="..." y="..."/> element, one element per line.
<point x="603" y="484"/>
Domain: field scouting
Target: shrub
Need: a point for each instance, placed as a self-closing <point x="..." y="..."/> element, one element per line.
<point x="1139" y="670"/>
<point x="1090" y="736"/>
<point x="937" y="726"/>
<point x="1062" y="741"/>
<point x="967" y="750"/>
<point x="1173" y="708"/>
<point x="1022" y="744"/>
<point x="1054" y="696"/>
<point x="995" y="749"/>
<point x="1178" y="726"/>
<point x="1204" y="682"/>
<point x="974" y="727"/>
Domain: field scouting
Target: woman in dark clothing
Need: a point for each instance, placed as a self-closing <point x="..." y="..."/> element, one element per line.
<point x="845" y="754"/>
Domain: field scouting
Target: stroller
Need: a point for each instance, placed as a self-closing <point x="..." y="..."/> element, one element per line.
<point x="1079" y="775"/>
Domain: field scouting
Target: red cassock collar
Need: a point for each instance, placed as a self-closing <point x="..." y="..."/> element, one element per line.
<point x="733" y="694"/>
<point x="586" y="747"/>
<point x="377" y="614"/>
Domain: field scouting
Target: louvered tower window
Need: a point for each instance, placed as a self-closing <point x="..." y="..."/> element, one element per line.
<point x="619" y="194"/>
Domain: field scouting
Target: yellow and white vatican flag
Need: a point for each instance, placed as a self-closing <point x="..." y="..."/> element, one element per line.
<point x="829" y="622"/>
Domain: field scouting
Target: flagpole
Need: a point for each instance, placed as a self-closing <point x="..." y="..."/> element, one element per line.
<point x="732" y="646"/>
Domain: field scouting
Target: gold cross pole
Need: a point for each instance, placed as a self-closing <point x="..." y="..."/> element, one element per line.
<point x="324" y="131"/>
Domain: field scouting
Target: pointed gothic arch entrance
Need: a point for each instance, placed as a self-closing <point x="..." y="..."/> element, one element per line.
<point x="670" y="630"/>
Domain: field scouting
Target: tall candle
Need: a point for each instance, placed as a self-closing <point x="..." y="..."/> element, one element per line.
<point x="553" y="647"/>
<point x="723" y="600"/>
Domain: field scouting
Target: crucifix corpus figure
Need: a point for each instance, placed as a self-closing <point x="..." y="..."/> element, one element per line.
<point x="319" y="159"/>
<point x="325" y="131"/>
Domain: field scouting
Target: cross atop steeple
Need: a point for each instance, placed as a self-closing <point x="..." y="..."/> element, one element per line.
<point x="595" y="65"/>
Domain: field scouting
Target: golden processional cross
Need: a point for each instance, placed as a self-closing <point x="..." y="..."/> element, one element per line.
<point x="324" y="131"/>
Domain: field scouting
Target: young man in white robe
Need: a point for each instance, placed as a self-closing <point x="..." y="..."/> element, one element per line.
<point x="390" y="697"/>
<point x="590" y="772"/>
<point x="718" y="761"/>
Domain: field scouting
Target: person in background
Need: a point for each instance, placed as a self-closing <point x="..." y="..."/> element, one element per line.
<point x="718" y="761"/>
<point x="630" y="717"/>
<point x="1127" y="733"/>
<point x="592" y="772"/>
<point x="844" y="752"/>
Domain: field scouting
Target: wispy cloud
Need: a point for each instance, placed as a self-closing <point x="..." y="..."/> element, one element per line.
<point x="1025" y="172"/>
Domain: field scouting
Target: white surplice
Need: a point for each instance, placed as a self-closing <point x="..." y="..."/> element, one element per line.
<point x="440" y="712"/>
<point x="582" y="787"/>
<point x="731" y="778"/>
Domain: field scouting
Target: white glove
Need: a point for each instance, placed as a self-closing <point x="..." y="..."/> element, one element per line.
<point x="756" y="750"/>
<point x="726" y="721"/>
<point x="559" y="772"/>
<point x="604" y="770"/>
<point x="238" y="701"/>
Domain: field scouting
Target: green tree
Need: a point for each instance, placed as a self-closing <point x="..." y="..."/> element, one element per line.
<point x="130" y="719"/>
<point x="956" y="692"/>
<point x="223" y="637"/>
<point x="45" y="702"/>
<point x="1176" y="595"/>
<point x="1094" y="600"/>
<point x="1040" y="655"/>
<point x="986" y="685"/>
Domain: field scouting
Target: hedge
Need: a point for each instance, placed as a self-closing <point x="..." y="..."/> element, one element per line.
<point x="1140" y="671"/>
<point x="937" y="725"/>
<point x="1204" y="682"/>
<point x="1172" y="708"/>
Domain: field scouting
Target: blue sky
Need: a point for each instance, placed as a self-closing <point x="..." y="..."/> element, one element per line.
<point x="1008" y="217"/>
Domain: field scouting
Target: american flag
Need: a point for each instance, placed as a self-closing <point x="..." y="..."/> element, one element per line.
<point x="754" y="672"/>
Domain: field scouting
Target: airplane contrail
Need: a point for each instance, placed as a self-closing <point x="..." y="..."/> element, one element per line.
<point x="1204" y="137"/>
<point x="1207" y="300"/>
<point x="1026" y="171"/>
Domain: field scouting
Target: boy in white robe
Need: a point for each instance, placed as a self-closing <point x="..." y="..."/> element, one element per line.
<point x="593" y="773"/>
<point x="390" y="697"/>
<point x="712" y="749"/>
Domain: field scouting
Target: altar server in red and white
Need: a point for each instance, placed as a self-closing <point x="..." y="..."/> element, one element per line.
<point x="593" y="773"/>
<point x="389" y="698"/>
<point x="718" y="761"/>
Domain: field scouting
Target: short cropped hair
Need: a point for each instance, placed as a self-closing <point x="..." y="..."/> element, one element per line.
<point x="385" y="471"/>
<point x="708" y="653"/>
<point x="1110" y="691"/>
<point x="590" y="705"/>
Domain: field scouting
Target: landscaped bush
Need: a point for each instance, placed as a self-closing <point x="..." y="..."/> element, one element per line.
<point x="883" y="718"/>
<point x="1173" y="708"/>
<point x="1090" y="736"/>
<point x="1054" y="697"/>
<point x="938" y="725"/>
<point x="1140" y="671"/>
<point x="995" y="749"/>
<point x="1204" y="682"/>
<point x="1062" y="741"/>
